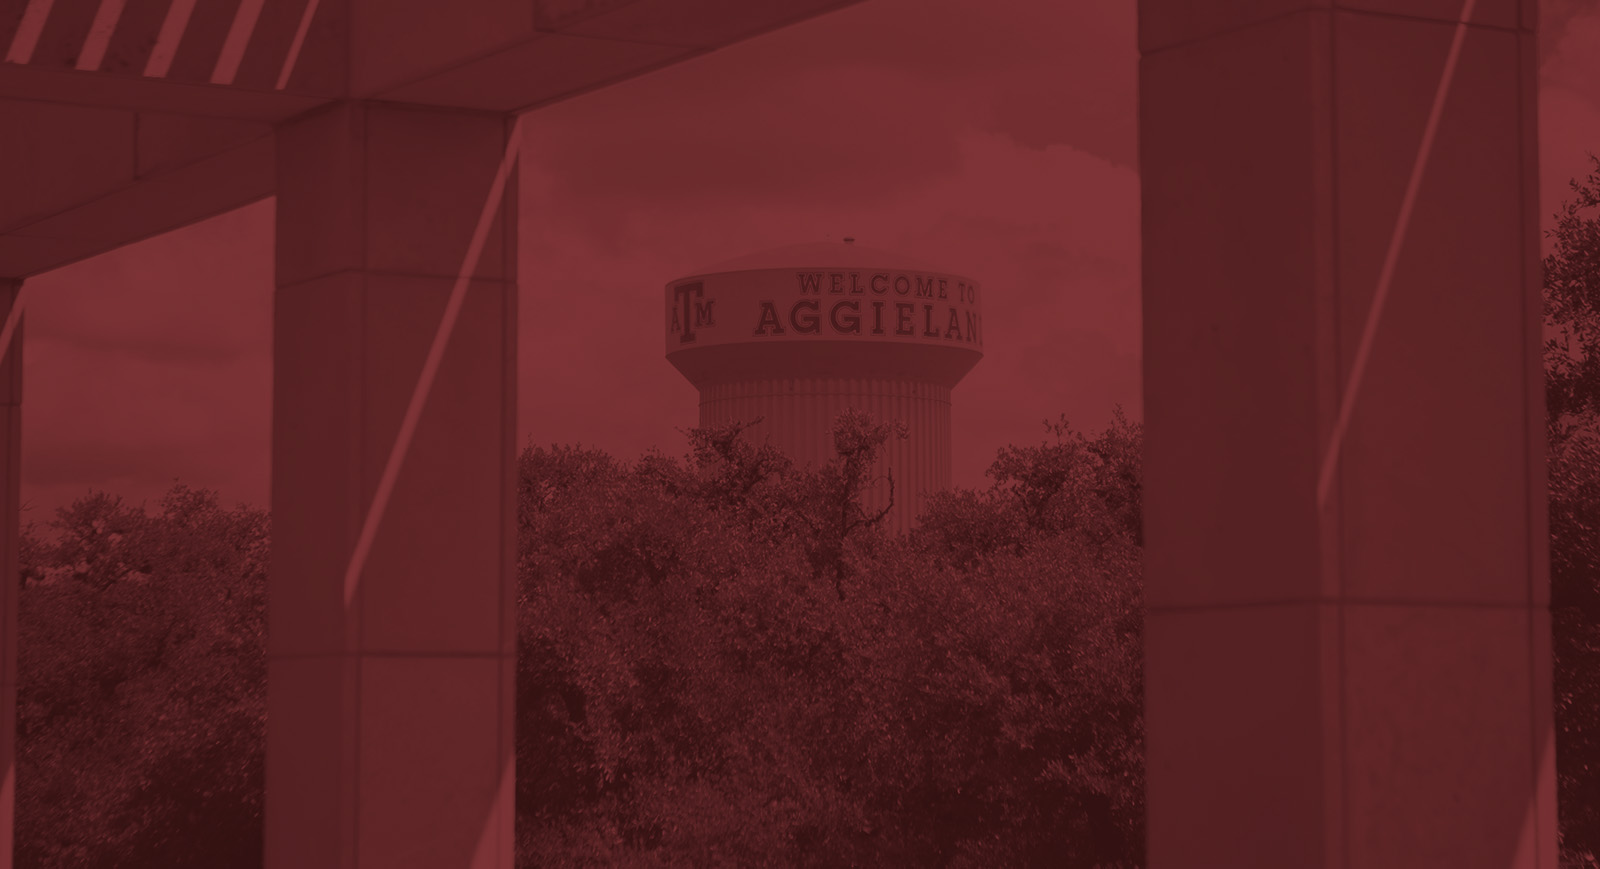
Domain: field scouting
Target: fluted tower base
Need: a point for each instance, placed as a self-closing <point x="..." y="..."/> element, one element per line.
<point x="797" y="416"/>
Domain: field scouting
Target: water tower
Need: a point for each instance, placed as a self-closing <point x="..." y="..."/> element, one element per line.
<point x="795" y="335"/>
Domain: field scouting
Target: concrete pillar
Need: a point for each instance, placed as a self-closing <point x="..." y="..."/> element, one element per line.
<point x="390" y="718"/>
<point x="1365" y="682"/>
<point x="10" y="582"/>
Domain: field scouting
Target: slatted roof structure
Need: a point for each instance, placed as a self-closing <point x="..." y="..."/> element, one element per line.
<point x="122" y="119"/>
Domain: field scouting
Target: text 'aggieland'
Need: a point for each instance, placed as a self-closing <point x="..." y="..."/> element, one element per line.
<point x="932" y="307"/>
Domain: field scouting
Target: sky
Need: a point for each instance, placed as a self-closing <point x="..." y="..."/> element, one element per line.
<point x="995" y="139"/>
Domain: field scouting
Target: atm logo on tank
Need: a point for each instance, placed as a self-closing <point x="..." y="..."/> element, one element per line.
<point x="691" y="310"/>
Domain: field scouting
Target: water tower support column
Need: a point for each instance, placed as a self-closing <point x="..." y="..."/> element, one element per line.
<point x="1357" y="677"/>
<point x="390" y="712"/>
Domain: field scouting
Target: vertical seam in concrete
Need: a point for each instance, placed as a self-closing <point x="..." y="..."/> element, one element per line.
<point x="1337" y="517"/>
<point x="506" y="753"/>
<point x="1531" y="469"/>
<point x="11" y="510"/>
<point x="138" y="118"/>
<point x="13" y="578"/>
<point x="508" y="406"/>
<point x="357" y="131"/>
<point x="10" y="568"/>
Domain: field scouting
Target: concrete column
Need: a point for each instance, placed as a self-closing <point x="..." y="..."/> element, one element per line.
<point x="390" y="718"/>
<point x="10" y="582"/>
<point x="1364" y="682"/>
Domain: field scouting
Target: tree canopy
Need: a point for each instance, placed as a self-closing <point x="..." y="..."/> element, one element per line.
<point x="141" y="695"/>
<point x="1572" y="369"/>
<point x="735" y="666"/>
<point x="723" y="660"/>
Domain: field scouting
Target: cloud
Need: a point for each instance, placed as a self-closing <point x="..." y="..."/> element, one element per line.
<point x="152" y="362"/>
<point x="197" y="295"/>
<point x="1569" y="102"/>
<point x="1556" y="22"/>
<point x="863" y="103"/>
<point x="1040" y="73"/>
<point x="811" y="136"/>
<point x="109" y="420"/>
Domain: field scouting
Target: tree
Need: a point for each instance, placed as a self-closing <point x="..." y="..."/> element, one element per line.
<point x="726" y="661"/>
<point x="141" y="695"/>
<point x="1574" y="468"/>
<point x="1572" y="377"/>
<point x="1572" y="305"/>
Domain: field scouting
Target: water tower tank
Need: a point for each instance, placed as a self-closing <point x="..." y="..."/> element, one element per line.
<point x="796" y="335"/>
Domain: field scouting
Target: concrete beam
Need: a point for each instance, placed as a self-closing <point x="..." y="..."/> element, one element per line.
<point x="82" y="181"/>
